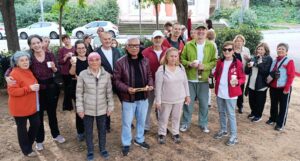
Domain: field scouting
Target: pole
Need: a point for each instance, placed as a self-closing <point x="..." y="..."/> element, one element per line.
<point x="242" y="12"/>
<point x="140" y="14"/>
<point x="42" y="10"/>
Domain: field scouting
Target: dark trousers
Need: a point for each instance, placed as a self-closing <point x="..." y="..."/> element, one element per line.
<point x="79" y="121"/>
<point x="26" y="137"/>
<point x="48" y="102"/>
<point x="257" y="100"/>
<point x="108" y="122"/>
<point x="101" y="127"/>
<point x="67" y="103"/>
<point x="281" y="99"/>
<point x="240" y="99"/>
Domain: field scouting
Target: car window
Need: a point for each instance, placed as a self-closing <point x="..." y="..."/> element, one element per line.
<point x="92" y="24"/>
<point x="35" y="25"/>
<point x="46" y="24"/>
<point x="102" y="23"/>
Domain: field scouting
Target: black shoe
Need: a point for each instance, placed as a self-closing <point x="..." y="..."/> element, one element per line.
<point x="146" y="131"/>
<point x="250" y="116"/>
<point x="176" y="139"/>
<point x="125" y="150"/>
<point x="161" y="139"/>
<point x="256" y="119"/>
<point x="240" y="110"/>
<point x="270" y="122"/>
<point x="108" y="130"/>
<point x="104" y="154"/>
<point x="132" y="126"/>
<point x="143" y="145"/>
<point x="278" y="128"/>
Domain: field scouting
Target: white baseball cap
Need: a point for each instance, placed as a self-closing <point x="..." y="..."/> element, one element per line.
<point x="157" y="33"/>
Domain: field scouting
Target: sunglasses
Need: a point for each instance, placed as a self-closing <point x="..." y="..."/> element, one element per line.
<point x="227" y="49"/>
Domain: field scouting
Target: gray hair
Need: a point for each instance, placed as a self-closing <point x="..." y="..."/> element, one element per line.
<point x="131" y="39"/>
<point x="285" y="45"/>
<point x="15" y="58"/>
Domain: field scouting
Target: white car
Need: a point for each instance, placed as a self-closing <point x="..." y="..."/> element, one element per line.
<point x="91" y="29"/>
<point x="49" y="29"/>
<point x="2" y="31"/>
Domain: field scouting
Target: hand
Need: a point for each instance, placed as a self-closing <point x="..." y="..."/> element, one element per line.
<point x="10" y="80"/>
<point x="149" y="88"/>
<point x="194" y="65"/>
<point x="200" y="67"/>
<point x="131" y="90"/>
<point x="157" y="106"/>
<point x="35" y="87"/>
<point x="285" y="92"/>
<point x="81" y="114"/>
<point x="73" y="62"/>
<point x="187" y="100"/>
<point x="108" y="113"/>
<point x="234" y="82"/>
<point x="247" y="57"/>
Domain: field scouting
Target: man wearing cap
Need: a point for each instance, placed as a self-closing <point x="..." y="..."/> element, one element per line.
<point x="154" y="53"/>
<point x="109" y="57"/>
<point x="199" y="58"/>
<point x="133" y="80"/>
<point x="97" y="40"/>
<point x="173" y="40"/>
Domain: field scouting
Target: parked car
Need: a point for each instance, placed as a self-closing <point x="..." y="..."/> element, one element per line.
<point x="41" y="28"/>
<point x="91" y="29"/>
<point x="2" y="31"/>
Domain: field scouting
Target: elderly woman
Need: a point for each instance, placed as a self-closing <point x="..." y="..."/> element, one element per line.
<point x="282" y="73"/>
<point x="171" y="91"/>
<point x="258" y="70"/>
<point x="242" y="53"/>
<point x="23" y="101"/>
<point x="94" y="100"/>
<point x="78" y="64"/>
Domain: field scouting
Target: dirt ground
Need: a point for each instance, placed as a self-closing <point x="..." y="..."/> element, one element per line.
<point x="257" y="141"/>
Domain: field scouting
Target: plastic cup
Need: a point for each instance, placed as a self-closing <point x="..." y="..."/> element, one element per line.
<point x="49" y="65"/>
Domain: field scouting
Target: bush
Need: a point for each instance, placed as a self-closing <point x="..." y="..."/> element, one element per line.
<point x="252" y="36"/>
<point x="4" y="65"/>
<point x="222" y="13"/>
<point x="249" y="18"/>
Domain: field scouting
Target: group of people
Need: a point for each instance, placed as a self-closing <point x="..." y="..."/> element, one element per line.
<point x="170" y="75"/>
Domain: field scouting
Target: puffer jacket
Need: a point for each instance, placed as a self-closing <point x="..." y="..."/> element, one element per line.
<point x="124" y="78"/>
<point x="94" y="95"/>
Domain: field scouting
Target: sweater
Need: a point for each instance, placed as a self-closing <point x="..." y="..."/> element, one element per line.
<point x="22" y="100"/>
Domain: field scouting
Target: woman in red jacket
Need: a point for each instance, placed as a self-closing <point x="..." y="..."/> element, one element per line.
<point x="23" y="101"/>
<point x="229" y="76"/>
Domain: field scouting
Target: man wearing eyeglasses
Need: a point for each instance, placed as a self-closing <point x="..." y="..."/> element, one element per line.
<point x="133" y="80"/>
<point x="198" y="58"/>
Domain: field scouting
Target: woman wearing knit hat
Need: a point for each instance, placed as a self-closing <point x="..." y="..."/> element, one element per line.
<point x="94" y="100"/>
<point x="23" y="101"/>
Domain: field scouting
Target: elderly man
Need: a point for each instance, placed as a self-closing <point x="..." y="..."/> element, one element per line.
<point x="133" y="80"/>
<point x="173" y="40"/>
<point x="97" y="40"/>
<point x="154" y="53"/>
<point x="109" y="57"/>
<point x="198" y="58"/>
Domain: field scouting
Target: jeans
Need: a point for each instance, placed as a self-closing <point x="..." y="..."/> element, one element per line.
<point x="226" y="107"/>
<point x="26" y="137"/>
<point x="101" y="127"/>
<point x="199" y="90"/>
<point x="129" y="110"/>
<point x="148" y="118"/>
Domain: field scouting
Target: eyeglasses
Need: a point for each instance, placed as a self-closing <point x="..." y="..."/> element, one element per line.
<point x="133" y="46"/>
<point x="227" y="49"/>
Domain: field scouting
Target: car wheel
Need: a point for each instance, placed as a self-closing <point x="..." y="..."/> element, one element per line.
<point x="1" y="37"/>
<point x="79" y="34"/>
<point x="53" y="35"/>
<point x="112" y="34"/>
<point x="23" y="35"/>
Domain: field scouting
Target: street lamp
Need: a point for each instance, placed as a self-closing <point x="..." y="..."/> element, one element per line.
<point x="42" y="10"/>
<point x="140" y="14"/>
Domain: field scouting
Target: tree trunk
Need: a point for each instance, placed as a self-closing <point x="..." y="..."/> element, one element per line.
<point x="61" y="9"/>
<point x="156" y="15"/>
<point x="181" y="11"/>
<point x="9" y="17"/>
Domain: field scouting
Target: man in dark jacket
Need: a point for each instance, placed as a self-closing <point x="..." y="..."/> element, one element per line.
<point x="109" y="57"/>
<point x="132" y="79"/>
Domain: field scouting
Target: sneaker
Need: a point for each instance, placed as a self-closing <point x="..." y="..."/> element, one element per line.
<point x="204" y="129"/>
<point x="108" y="130"/>
<point x="270" y="122"/>
<point x="80" y="137"/>
<point x="183" y="128"/>
<point x="125" y="150"/>
<point x="32" y="154"/>
<point x="220" y="134"/>
<point x="90" y="157"/>
<point x="59" y="139"/>
<point x="278" y="128"/>
<point x="240" y="110"/>
<point x="143" y="145"/>
<point x="161" y="139"/>
<point x="39" y="146"/>
<point x="146" y="131"/>
<point x="104" y="154"/>
<point x="176" y="139"/>
<point x="250" y="116"/>
<point x="232" y="141"/>
<point x="256" y="119"/>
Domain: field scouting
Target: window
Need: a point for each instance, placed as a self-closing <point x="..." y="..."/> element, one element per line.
<point x="191" y="2"/>
<point x="102" y="23"/>
<point x="91" y="24"/>
<point x="35" y="25"/>
<point x="46" y="24"/>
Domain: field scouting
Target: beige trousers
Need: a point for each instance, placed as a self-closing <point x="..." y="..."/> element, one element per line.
<point x="164" y="113"/>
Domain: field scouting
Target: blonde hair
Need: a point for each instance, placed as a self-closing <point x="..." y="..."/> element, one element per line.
<point x="241" y="37"/>
<point x="164" y="60"/>
<point x="211" y="35"/>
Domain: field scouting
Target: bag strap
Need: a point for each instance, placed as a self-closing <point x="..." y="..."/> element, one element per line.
<point x="281" y="63"/>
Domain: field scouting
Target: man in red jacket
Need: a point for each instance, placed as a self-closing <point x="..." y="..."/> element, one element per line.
<point x="154" y="53"/>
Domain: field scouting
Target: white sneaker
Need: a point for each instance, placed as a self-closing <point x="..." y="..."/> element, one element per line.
<point x="59" y="139"/>
<point x="32" y="154"/>
<point x="183" y="128"/>
<point x="39" y="146"/>
<point x="204" y="129"/>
